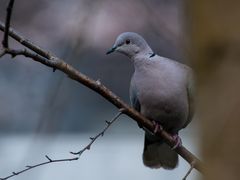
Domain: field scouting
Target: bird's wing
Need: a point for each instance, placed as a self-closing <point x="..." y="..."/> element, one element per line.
<point x="133" y="97"/>
<point x="134" y="100"/>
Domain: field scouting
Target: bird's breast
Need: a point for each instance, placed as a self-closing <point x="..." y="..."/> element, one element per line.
<point x="163" y="98"/>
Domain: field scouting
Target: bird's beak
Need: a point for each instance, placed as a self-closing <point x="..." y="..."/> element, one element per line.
<point x="111" y="50"/>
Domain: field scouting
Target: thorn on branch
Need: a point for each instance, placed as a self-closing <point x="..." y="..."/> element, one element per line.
<point x="122" y="110"/>
<point x="21" y="40"/>
<point x="91" y="138"/>
<point x="13" y="55"/>
<point x="78" y="153"/>
<point x="14" y="173"/>
<point x="108" y="122"/>
<point x="98" y="82"/>
<point x="28" y="166"/>
<point x="50" y="160"/>
<point x="88" y="147"/>
<point x="54" y="69"/>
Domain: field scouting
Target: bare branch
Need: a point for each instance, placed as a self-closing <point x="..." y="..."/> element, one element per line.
<point x="56" y="63"/>
<point x="189" y="171"/>
<point x="29" y="54"/>
<point x="49" y="160"/>
<point x="79" y="153"/>
<point x="93" y="139"/>
<point x="25" y="42"/>
<point x="7" y="23"/>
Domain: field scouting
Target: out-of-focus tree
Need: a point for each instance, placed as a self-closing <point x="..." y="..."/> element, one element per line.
<point x="215" y="41"/>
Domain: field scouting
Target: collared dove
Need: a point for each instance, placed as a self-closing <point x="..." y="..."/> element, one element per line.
<point x="161" y="90"/>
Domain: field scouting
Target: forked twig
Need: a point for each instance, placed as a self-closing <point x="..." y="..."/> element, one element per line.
<point x="79" y="153"/>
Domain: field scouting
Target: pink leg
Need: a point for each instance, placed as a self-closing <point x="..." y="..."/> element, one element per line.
<point x="178" y="141"/>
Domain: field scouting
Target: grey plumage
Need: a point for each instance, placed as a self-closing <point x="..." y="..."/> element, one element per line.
<point x="161" y="89"/>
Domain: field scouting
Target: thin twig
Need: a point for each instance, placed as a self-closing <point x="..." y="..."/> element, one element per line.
<point x="189" y="171"/>
<point x="93" y="139"/>
<point x="49" y="161"/>
<point x="79" y="153"/>
<point x="25" y="42"/>
<point x="56" y="63"/>
<point x="29" y="54"/>
<point x="7" y="23"/>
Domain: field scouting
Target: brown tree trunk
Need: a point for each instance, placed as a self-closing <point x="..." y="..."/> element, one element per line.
<point x="213" y="27"/>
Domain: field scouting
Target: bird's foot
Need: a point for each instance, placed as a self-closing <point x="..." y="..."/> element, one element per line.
<point x="178" y="141"/>
<point x="157" y="127"/>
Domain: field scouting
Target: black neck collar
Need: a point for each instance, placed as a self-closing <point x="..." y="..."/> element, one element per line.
<point x="152" y="55"/>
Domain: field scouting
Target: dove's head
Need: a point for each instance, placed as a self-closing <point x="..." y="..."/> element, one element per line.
<point x="130" y="44"/>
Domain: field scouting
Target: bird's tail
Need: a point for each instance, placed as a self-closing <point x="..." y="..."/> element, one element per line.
<point x="157" y="154"/>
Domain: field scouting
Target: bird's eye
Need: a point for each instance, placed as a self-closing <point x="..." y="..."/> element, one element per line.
<point x="127" y="41"/>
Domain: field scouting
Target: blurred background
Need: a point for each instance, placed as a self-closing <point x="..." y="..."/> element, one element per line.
<point x="47" y="113"/>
